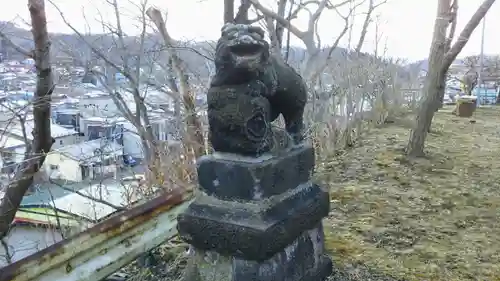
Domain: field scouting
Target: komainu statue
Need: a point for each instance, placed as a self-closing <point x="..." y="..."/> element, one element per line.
<point x="250" y="89"/>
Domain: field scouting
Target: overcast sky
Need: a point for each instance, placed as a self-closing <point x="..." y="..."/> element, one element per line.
<point x="406" y="24"/>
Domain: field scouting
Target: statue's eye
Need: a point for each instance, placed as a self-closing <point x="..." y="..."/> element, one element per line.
<point x="257" y="30"/>
<point x="232" y="34"/>
<point x="256" y="36"/>
<point x="227" y="27"/>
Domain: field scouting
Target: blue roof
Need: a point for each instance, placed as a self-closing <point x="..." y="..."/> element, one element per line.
<point x="44" y="193"/>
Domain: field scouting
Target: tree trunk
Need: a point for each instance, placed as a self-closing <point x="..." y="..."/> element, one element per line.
<point x="228" y="11"/>
<point x="442" y="90"/>
<point x="464" y="36"/>
<point x="42" y="140"/>
<point x="439" y="63"/>
<point x="432" y="83"/>
<point x="242" y="14"/>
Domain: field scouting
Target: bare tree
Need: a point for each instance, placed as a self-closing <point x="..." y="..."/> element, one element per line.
<point x="315" y="63"/>
<point x="138" y="115"/>
<point x="492" y="67"/>
<point x="470" y="78"/>
<point x="42" y="140"/>
<point x="242" y="14"/>
<point x="368" y="18"/>
<point x="228" y="11"/>
<point x="441" y="56"/>
<point x="195" y="131"/>
<point x="177" y="85"/>
<point x="309" y="37"/>
<point x="378" y="36"/>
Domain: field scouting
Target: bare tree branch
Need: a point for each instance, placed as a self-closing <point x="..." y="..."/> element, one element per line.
<point x="242" y="15"/>
<point x="308" y="37"/>
<point x="228" y="11"/>
<point x="42" y="140"/>
<point x="368" y="18"/>
<point x="6" y="248"/>
<point x="15" y="46"/>
<point x="269" y="13"/>
<point x="140" y="119"/>
<point x="314" y="76"/>
<point x="195" y="130"/>
<point x="280" y="29"/>
<point x="453" y="21"/>
<point x="322" y="67"/>
<point x="464" y="36"/>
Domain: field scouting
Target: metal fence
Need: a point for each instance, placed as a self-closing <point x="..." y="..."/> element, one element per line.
<point x="107" y="246"/>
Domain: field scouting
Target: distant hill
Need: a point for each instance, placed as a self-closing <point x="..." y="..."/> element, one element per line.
<point x="424" y="64"/>
<point x="69" y="46"/>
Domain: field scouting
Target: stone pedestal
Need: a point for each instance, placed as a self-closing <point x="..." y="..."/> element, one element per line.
<point x="258" y="219"/>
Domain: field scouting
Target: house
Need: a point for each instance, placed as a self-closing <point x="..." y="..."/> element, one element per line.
<point x="132" y="144"/>
<point x="122" y="131"/>
<point x="96" y="103"/>
<point x="66" y="117"/>
<point x="61" y="212"/>
<point x="98" y="127"/>
<point x="11" y="153"/>
<point x="96" y="159"/>
<point x="12" y="145"/>
<point x="61" y="135"/>
<point x="163" y="128"/>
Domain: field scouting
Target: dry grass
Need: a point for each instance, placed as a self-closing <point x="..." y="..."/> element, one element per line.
<point x="166" y="263"/>
<point x="430" y="219"/>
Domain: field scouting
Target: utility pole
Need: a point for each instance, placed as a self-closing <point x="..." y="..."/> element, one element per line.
<point x="481" y="63"/>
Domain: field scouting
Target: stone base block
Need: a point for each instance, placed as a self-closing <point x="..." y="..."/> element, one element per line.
<point x="231" y="177"/>
<point x="302" y="260"/>
<point x="253" y="231"/>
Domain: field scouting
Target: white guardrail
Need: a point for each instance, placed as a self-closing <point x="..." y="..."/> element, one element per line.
<point x="106" y="247"/>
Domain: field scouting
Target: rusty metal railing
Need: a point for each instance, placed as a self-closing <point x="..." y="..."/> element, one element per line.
<point x="106" y="247"/>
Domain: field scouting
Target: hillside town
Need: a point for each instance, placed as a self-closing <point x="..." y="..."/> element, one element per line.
<point x="93" y="139"/>
<point x="95" y="147"/>
<point x="94" y="142"/>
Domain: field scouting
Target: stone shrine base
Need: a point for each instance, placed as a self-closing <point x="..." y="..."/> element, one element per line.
<point x="303" y="260"/>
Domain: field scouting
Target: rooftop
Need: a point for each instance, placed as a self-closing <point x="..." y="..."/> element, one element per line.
<point x="91" y="151"/>
<point x="57" y="131"/>
<point x="9" y="142"/>
<point x="106" y="120"/>
<point x="60" y="196"/>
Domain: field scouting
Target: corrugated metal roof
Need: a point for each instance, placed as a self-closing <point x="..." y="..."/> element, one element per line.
<point x="10" y="142"/>
<point x="90" y="209"/>
<point x="91" y="151"/>
<point x="59" y="196"/>
<point x="57" y="131"/>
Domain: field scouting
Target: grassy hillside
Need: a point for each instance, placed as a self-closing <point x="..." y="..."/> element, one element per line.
<point x="431" y="219"/>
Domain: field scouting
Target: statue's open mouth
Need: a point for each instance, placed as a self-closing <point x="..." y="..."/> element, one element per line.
<point x="246" y="50"/>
